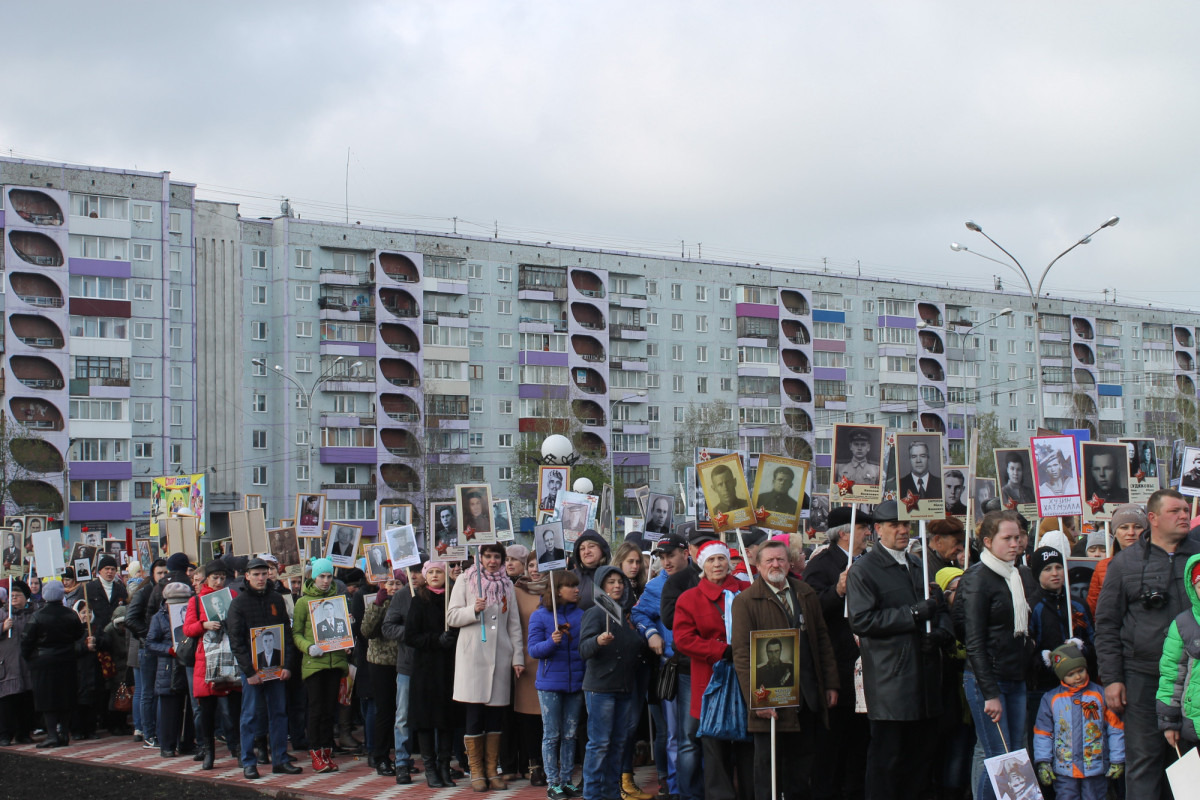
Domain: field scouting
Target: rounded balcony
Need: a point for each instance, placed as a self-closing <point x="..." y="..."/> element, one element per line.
<point x="1185" y="385"/>
<point x="35" y="290"/>
<point x="794" y="302"/>
<point x="34" y="331"/>
<point x="592" y="382"/>
<point x="796" y="361"/>
<point x="399" y="372"/>
<point x="932" y="423"/>
<point x="795" y="332"/>
<point x="589" y="445"/>
<point x="1183" y="336"/>
<point x="930" y="314"/>
<point x="399" y="442"/>
<point x="400" y="477"/>
<point x="36" y="372"/>
<point x="36" y="414"/>
<point x="932" y="370"/>
<point x="399" y="268"/>
<point x="36" y="208"/>
<point x="587" y="316"/>
<point x="932" y="397"/>
<point x="1083" y="328"/>
<point x="1083" y="354"/>
<point x="798" y="419"/>
<point x="400" y="408"/>
<point x="586" y="347"/>
<point x="1184" y="360"/>
<point x="399" y="303"/>
<point x="587" y="283"/>
<point x="797" y="447"/>
<point x="400" y="338"/>
<point x="1084" y="377"/>
<point x="36" y="248"/>
<point x="931" y="342"/>
<point x="797" y="390"/>
<point x="1085" y="406"/>
<point x="36" y="455"/>
<point x="589" y="413"/>
<point x="36" y="496"/>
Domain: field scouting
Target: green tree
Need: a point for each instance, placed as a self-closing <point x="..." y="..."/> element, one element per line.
<point x="991" y="437"/>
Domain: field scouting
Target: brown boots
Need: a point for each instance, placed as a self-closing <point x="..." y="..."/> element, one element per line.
<point x="492" y="762"/>
<point x="475" y="747"/>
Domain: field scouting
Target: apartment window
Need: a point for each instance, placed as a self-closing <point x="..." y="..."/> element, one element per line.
<point x="701" y="323"/>
<point x="258" y="259"/>
<point x="504" y="306"/>
<point x="678" y="415"/>
<point x="1012" y="425"/>
<point x="142" y="412"/>
<point x="302" y="473"/>
<point x="475" y="439"/>
<point x="677" y="352"/>
<point x="99" y="450"/>
<point x="259" y="476"/>
<point x="652" y="380"/>
<point x="176" y="454"/>
<point x="677" y="322"/>
<point x="258" y="295"/>
<point x="304" y="292"/>
<point x="726" y="384"/>
<point x="504" y="406"/>
<point x="304" y="329"/>
<point x="475" y="271"/>
<point x="143" y="330"/>
<point x="258" y="331"/>
<point x="176" y="301"/>
<point x="143" y="291"/>
<point x="677" y="383"/>
<point x="143" y="370"/>
<point x="177" y="337"/>
<point x="258" y="439"/>
<point x="301" y="400"/>
<point x="505" y="440"/>
<point x="258" y="368"/>
<point x="726" y="323"/>
<point x="176" y="377"/>
<point x="176" y="222"/>
<point x="141" y="490"/>
<point x="504" y="373"/>
<point x="303" y="363"/>
<point x="101" y="491"/>
<point x="652" y="414"/>
<point x="304" y="258"/>
<point x="701" y="385"/>
<point x="504" y="274"/>
<point x="176" y="415"/>
<point x="475" y="305"/>
<point x="259" y="403"/>
<point x="702" y="294"/>
<point x="302" y="437"/>
<point x="475" y="339"/>
<point x="143" y="252"/>
<point x="143" y="449"/>
<point x="476" y="405"/>
<point x="702" y="354"/>
<point x="103" y="410"/>
<point x="1012" y="348"/>
<point x="176" y="261"/>
<point x="676" y="291"/>
<point x="651" y="317"/>
<point x="143" y="213"/>
<point x="726" y="294"/>
<point x="868" y="362"/>
<point x="504" y="340"/>
<point x="99" y="327"/>
<point x="506" y="473"/>
<point x="651" y="350"/>
<point x="475" y="372"/>
<point x="651" y="287"/>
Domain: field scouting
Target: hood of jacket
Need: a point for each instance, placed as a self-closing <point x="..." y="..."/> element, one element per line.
<point x="591" y="536"/>
<point x="602" y="574"/>
<point x="311" y="590"/>
<point x="1189" y="586"/>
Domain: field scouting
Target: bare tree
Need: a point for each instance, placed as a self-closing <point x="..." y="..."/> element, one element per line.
<point x="991" y="437"/>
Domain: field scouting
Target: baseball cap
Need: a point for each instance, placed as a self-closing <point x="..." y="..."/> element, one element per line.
<point x="671" y="542"/>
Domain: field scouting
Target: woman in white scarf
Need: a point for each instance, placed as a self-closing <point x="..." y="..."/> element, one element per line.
<point x="994" y="614"/>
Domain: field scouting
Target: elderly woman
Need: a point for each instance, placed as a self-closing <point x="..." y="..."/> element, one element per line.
<point x="703" y="622"/>
<point x="992" y="612"/>
<point x="16" y="682"/>
<point x="48" y="645"/>
<point x="490" y="651"/>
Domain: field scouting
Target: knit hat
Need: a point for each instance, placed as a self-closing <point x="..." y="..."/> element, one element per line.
<point x="1042" y="558"/>
<point x="106" y="561"/>
<point x="1130" y="512"/>
<point x="320" y="566"/>
<point x="134" y="567"/>
<point x="946" y="575"/>
<point x="1065" y="659"/>
<point x="215" y="566"/>
<point x="53" y="591"/>
<point x="428" y="565"/>
<point x="1096" y="539"/>
<point x="518" y="551"/>
<point x="178" y="562"/>
<point x="176" y="592"/>
<point x="21" y="586"/>
<point x="69" y="572"/>
<point x="710" y="549"/>
<point x="1056" y="539"/>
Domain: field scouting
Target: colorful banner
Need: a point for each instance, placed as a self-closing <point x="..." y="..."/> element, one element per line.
<point x="176" y="494"/>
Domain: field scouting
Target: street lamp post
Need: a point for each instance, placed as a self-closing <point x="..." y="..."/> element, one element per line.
<point x="1035" y="293"/>
<point x="308" y="396"/>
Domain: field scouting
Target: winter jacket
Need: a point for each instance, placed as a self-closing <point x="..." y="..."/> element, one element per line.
<point x="610" y="668"/>
<point x="170" y="677"/>
<point x="483" y="669"/>
<point x="1048" y="629"/>
<point x="193" y="625"/>
<point x="994" y="652"/>
<point x="647" y="614"/>
<point x="136" y="620"/>
<point x="302" y="634"/>
<point x="257" y="609"/>
<point x="822" y="573"/>
<point x="99" y="602"/>
<point x="901" y="679"/>
<point x="14" y="668"/>
<point x="51" y="635"/>
<point x="700" y="631"/>
<point x="1129" y="636"/>
<point x="672" y="590"/>
<point x="1077" y="733"/>
<point x="1178" y="699"/>
<point x="1097" y="583"/>
<point x="431" y="687"/>
<point x="586" y="575"/>
<point x="380" y="650"/>
<point x="560" y="667"/>
<point x="395" y="620"/>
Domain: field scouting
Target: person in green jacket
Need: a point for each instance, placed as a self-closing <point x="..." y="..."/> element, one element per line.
<point x="1178" y="700"/>
<point x="321" y="670"/>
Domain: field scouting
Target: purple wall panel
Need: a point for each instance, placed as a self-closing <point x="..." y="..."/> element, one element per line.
<point x="88" y="512"/>
<point x="829" y="374"/>
<point x="760" y="310"/>
<point x="100" y="266"/>
<point x="101" y="470"/>
<point x="348" y="455"/>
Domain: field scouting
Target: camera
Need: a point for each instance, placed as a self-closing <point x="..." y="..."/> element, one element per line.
<point x="1152" y="601"/>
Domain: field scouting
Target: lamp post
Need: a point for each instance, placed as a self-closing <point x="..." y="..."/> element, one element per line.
<point x="308" y="395"/>
<point x="1035" y="293"/>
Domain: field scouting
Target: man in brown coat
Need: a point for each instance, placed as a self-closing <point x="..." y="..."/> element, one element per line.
<point x="778" y="601"/>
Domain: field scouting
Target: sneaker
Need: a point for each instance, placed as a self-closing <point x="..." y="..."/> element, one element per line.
<point x="150" y="744"/>
<point x="571" y="790"/>
<point x="556" y="793"/>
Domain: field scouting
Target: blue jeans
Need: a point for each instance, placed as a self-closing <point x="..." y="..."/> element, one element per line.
<point x="688" y="770"/>
<point x="663" y="715"/>
<point x="401" y="727"/>
<point x="1011" y="724"/>
<point x="560" y="722"/>
<point x="367" y="706"/>
<point x="641" y="687"/>
<point x="147" y="662"/>
<point x="607" y="731"/>
<point x="267" y="701"/>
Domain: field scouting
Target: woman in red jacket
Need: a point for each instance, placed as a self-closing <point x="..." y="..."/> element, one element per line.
<point x="208" y="695"/>
<point x="703" y="621"/>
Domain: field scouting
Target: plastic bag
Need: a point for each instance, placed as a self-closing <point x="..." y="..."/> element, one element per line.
<point x="722" y="708"/>
<point x="220" y="667"/>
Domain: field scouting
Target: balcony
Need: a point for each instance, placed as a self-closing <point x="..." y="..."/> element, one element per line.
<point x="829" y="400"/>
<point x="932" y="423"/>
<point x="36" y="248"/>
<point x="400" y="408"/>
<point x="1083" y="328"/>
<point x="794" y="302"/>
<point x="932" y="370"/>
<point x="399" y="338"/>
<point x="797" y="447"/>
<point x="36" y="372"/>
<point x="36" y="208"/>
<point x="798" y="419"/>
<point x="332" y="304"/>
<point x="36" y="414"/>
<point x="587" y="316"/>
<point x="399" y="442"/>
<point x="36" y="290"/>
<point x="399" y="268"/>
<point x="36" y="496"/>
<point x="930" y="314"/>
<point x="398" y="372"/>
<point x="796" y="361"/>
<point x="797" y="390"/>
<point x="1185" y="385"/>
<point x="589" y="445"/>
<point x="795" y="332"/>
<point x="588" y="412"/>
<point x="351" y="486"/>
<point x="432" y="315"/>
<point x="931" y="342"/>
<point x="36" y="455"/>
<point x="400" y="477"/>
<point x="1183" y="336"/>
<point x="587" y="283"/>
<point x="620" y="329"/>
<point x="1183" y="360"/>
<point x="36" y="331"/>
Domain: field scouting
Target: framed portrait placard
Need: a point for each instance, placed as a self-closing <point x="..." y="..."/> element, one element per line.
<point x="1013" y="466"/>
<point x="642" y="495"/>
<point x="266" y="647"/>
<point x="379" y="568"/>
<point x="550" y="546"/>
<point x="502" y="517"/>
<point x="551" y="481"/>
<point x="658" y="519"/>
<point x="774" y="679"/>
<point x="284" y="544"/>
<point x="954" y="489"/>
<point x="216" y="604"/>
<point x="258" y="530"/>
<point x="393" y="515"/>
<point x="1189" y="475"/>
<point x="702" y="456"/>
<point x="310" y="514"/>
<point x="779" y="492"/>
<point x="1105" y="468"/>
<point x="1143" y="469"/>
<point x="402" y="547"/>
<point x="473" y="504"/>
<point x="1176" y="471"/>
<point x="343" y="543"/>
<point x="857" y="474"/>
<point x="982" y="490"/>
<point x="1055" y="475"/>
<point x="239" y="532"/>
<point x="443" y="527"/>
<point x="86" y="553"/>
<point x="1011" y="775"/>
<point x="919" y="476"/>
<point x="13" y="553"/>
<point x="330" y="621"/>
<point x="725" y="493"/>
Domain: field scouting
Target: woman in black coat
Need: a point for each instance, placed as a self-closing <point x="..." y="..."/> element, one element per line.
<point x="432" y="713"/>
<point x="49" y="647"/>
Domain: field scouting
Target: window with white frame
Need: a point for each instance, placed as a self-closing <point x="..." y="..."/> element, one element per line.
<point x="176" y="338"/>
<point x="143" y="212"/>
<point x="677" y="352"/>
<point x="475" y="439"/>
<point x="702" y="354"/>
<point x="504" y="274"/>
<point x="303" y="259"/>
<point x="726" y="294"/>
<point x="259" y="475"/>
<point x="475" y="305"/>
<point x="258" y="331"/>
<point x="504" y="373"/>
<point x="176" y="261"/>
<point x="143" y="291"/>
<point x="176" y="299"/>
<point x="677" y="322"/>
<point x="258" y="367"/>
<point x="304" y="292"/>
<point x="504" y="306"/>
<point x="301" y="400"/>
<point x="175" y="222"/>
<point x="504" y="440"/>
<point x="143" y="449"/>
<point x="702" y="294"/>
<point x="303" y="363"/>
<point x="258" y="259"/>
<point x="258" y="403"/>
<point x="304" y="329"/>
<point x="176" y="377"/>
<point x="143" y="370"/>
<point x="143" y="330"/>
<point x="701" y="323"/>
<point x="726" y="323"/>
<point x="143" y="252"/>
<point x="504" y="340"/>
<point x="677" y="383"/>
<point x="504" y="407"/>
<point x="143" y="412"/>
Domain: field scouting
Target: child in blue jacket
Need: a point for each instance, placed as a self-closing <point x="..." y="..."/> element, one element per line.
<point x="559" y="679"/>
<point x="1078" y="742"/>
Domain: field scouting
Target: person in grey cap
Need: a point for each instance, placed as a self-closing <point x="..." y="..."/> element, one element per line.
<point x="902" y="671"/>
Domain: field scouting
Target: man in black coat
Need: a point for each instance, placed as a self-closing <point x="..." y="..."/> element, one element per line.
<point x="901" y="635"/>
<point x="256" y="607"/>
<point x="842" y="754"/>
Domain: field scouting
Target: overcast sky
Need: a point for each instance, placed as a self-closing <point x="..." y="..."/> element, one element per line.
<point x="782" y="133"/>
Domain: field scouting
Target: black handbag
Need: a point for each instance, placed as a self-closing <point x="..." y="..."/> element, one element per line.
<point x="185" y="653"/>
<point x="668" y="675"/>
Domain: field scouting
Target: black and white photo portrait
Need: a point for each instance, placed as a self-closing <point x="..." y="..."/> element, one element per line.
<point x="216" y="604"/>
<point x="502" y="517"/>
<point x="660" y="514"/>
<point x="726" y="493"/>
<point x="330" y="621"/>
<point x="551" y="480"/>
<point x="378" y="568"/>
<point x="268" y="651"/>
<point x="574" y="519"/>
<point x="474" y="507"/>
<point x="14" y="553"/>
<point x="1105" y="472"/>
<point x="919" y="461"/>
<point x="779" y="490"/>
<point x="444" y="525"/>
<point x="954" y="485"/>
<point x="982" y="490"/>
<point x="1015" y="476"/>
<point x="548" y="542"/>
<point x="857" y="475"/>
<point x="402" y="546"/>
<point x="393" y="515"/>
<point x="343" y="544"/>
<point x="284" y="544"/>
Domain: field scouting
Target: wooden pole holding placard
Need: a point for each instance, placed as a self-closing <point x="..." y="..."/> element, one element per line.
<point x="1108" y="540"/>
<point x="737" y="532"/>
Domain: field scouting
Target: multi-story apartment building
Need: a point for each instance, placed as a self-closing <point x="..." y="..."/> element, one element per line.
<point x="386" y="365"/>
<point x="99" y="345"/>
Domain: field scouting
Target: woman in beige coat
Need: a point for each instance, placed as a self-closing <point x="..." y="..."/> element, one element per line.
<point x="484" y="609"/>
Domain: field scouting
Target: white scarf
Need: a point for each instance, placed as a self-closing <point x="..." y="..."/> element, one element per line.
<point x="1008" y="570"/>
<point x="108" y="587"/>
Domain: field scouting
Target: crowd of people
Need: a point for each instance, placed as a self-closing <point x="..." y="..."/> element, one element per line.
<point x="911" y="671"/>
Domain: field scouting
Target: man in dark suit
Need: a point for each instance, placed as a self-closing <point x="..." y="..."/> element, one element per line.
<point x="269" y="652"/>
<point x="548" y="554"/>
<point x="776" y="673"/>
<point x="920" y="481"/>
<point x="329" y="626"/>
